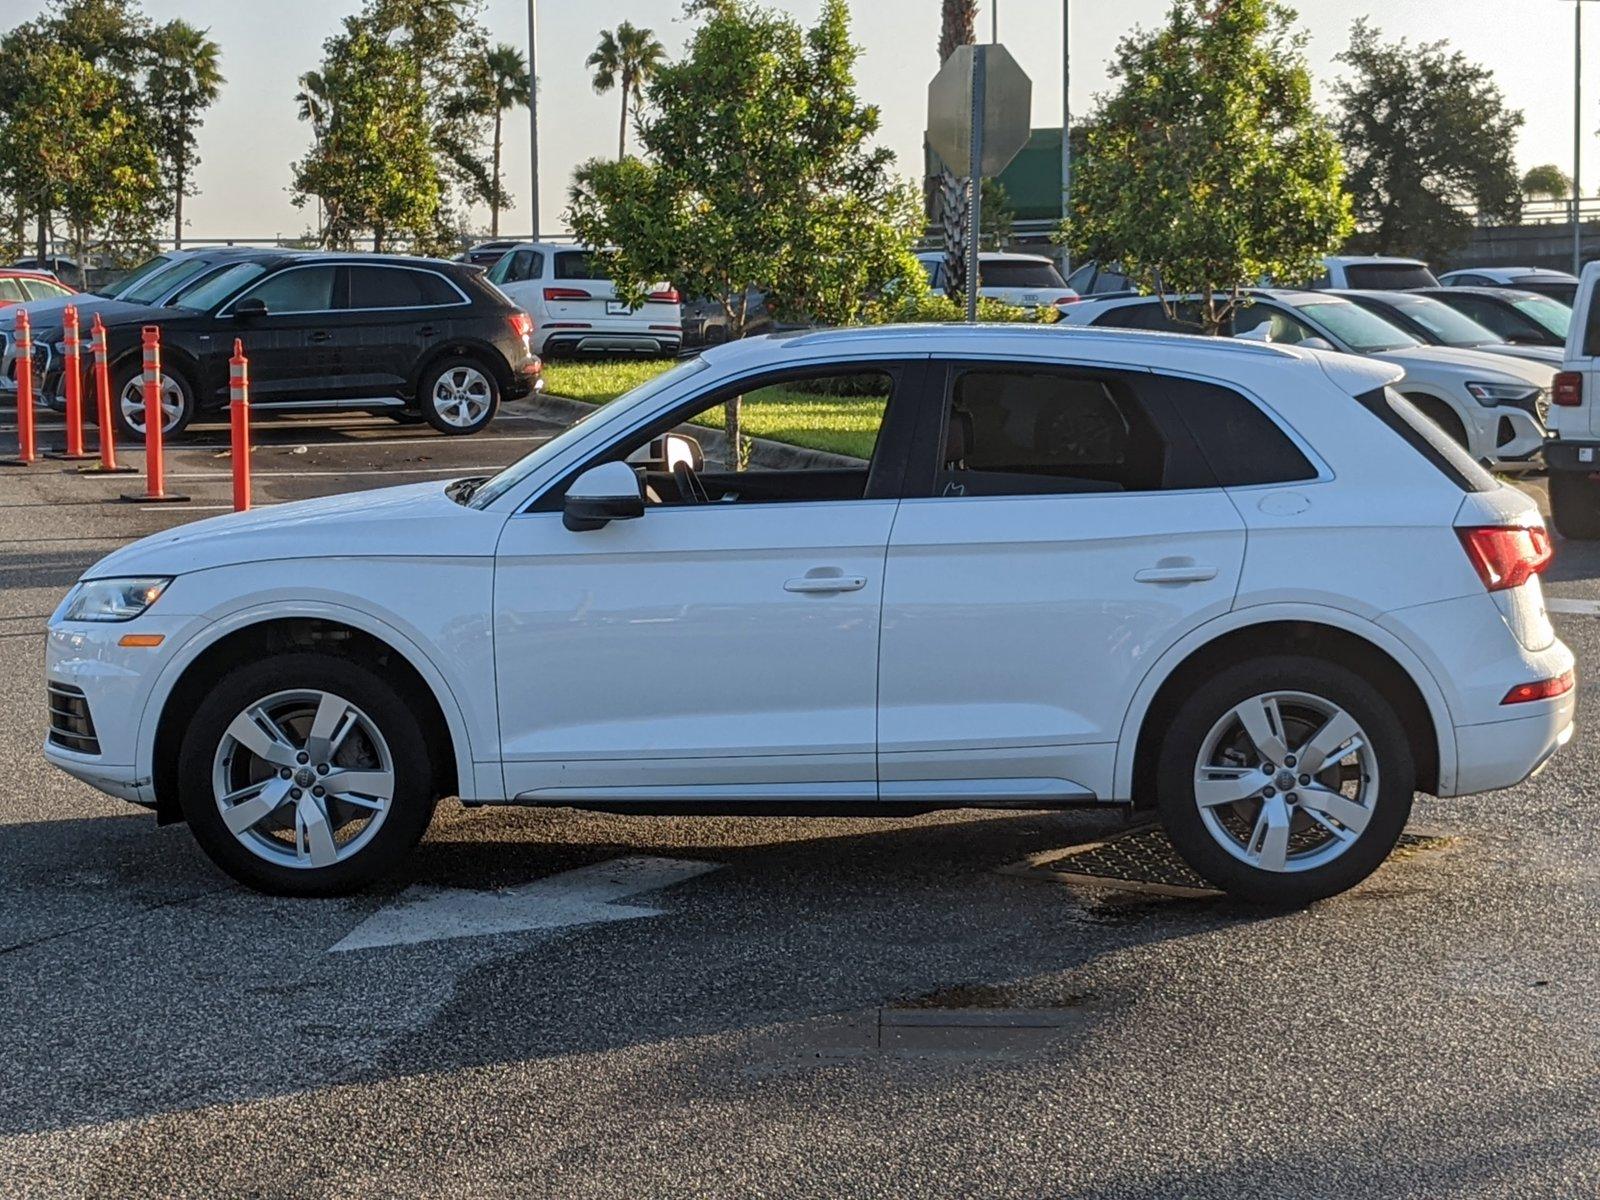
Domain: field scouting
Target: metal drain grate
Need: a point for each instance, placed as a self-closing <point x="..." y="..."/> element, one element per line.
<point x="1143" y="860"/>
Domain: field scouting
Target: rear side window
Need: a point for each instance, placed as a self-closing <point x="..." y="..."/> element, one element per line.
<point x="1427" y="439"/>
<point x="1150" y="316"/>
<point x="396" y="287"/>
<point x="1038" y="431"/>
<point x="1389" y="275"/>
<point x="517" y="266"/>
<point x="10" y="289"/>
<point x="1019" y="273"/>
<point x="1242" y="445"/>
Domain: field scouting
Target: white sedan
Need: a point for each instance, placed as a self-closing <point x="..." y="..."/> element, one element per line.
<point x="1053" y="568"/>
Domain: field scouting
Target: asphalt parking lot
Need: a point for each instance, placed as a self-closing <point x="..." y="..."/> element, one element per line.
<point x="761" y="1007"/>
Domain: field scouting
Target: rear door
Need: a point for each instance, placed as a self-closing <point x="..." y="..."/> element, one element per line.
<point x="395" y="317"/>
<point x="1022" y="281"/>
<point x="1065" y="534"/>
<point x="1581" y="421"/>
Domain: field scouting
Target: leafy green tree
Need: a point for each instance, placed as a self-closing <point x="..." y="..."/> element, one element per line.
<point x="1546" y="182"/>
<point x="374" y="166"/>
<point x="185" y="79"/>
<point x="1428" y="138"/>
<point x="1208" y="167"/>
<point x="760" y="176"/>
<point x="508" y="83"/>
<point x="625" y="60"/>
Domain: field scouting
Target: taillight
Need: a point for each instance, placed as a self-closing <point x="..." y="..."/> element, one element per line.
<point x="665" y="296"/>
<point x="1073" y="298"/>
<point x="1506" y="556"/>
<point x="1545" y="689"/>
<point x="567" y="294"/>
<point x="521" y="324"/>
<point x="1568" y="389"/>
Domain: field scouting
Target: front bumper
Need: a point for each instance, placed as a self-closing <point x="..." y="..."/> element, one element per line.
<point x="1519" y="435"/>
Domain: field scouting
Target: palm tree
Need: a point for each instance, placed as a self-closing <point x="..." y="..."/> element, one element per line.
<point x="508" y="85"/>
<point x="625" y="59"/>
<point x="315" y="99"/>
<point x="184" y="80"/>
<point x="957" y="27"/>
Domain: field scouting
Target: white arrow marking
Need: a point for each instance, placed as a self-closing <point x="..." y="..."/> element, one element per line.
<point x="1582" y="608"/>
<point x="586" y="896"/>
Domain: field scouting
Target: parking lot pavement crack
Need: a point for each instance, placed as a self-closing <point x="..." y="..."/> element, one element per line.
<point x="124" y="919"/>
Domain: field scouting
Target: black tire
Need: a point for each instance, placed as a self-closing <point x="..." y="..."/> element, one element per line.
<point x="1201" y="711"/>
<point x="429" y="407"/>
<point x="404" y="416"/>
<point x="125" y="374"/>
<point x="1575" y="505"/>
<point x="410" y="808"/>
<point x="1445" y="417"/>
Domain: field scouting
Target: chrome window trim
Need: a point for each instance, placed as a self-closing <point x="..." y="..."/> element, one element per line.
<point x="227" y="308"/>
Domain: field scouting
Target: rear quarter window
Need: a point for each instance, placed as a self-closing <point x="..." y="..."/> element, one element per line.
<point x="1241" y="444"/>
<point x="1441" y="451"/>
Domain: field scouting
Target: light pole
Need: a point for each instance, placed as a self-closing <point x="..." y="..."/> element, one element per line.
<point x="1066" y="126"/>
<point x="1577" y="133"/>
<point x="533" y="112"/>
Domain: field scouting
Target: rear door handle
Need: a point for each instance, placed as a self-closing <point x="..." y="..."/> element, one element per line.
<point x="427" y="331"/>
<point x="321" y="335"/>
<point x="1192" y="573"/>
<point x="826" y="583"/>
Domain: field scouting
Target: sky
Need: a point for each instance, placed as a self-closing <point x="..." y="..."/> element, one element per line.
<point x="252" y="135"/>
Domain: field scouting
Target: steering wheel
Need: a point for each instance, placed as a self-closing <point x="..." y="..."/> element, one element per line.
<point x="689" y="486"/>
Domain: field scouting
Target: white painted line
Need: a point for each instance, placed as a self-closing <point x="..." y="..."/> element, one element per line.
<point x="183" y="508"/>
<point x="261" y="471"/>
<point x="586" y="896"/>
<point x="1580" y="608"/>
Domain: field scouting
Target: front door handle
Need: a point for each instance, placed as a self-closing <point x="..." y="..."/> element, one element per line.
<point x="826" y="583"/>
<point x="1189" y="573"/>
<point x="321" y="335"/>
<point x="427" y="331"/>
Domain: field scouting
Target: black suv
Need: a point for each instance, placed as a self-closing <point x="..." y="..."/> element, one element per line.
<point x="418" y="338"/>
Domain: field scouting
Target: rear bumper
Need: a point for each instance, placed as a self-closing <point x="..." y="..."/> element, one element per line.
<point x="615" y="336"/>
<point x="1565" y="454"/>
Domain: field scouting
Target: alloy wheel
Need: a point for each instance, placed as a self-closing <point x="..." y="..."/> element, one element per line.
<point x="1286" y="781"/>
<point x="303" y="778"/>
<point x="462" y="395"/>
<point x="132" y="402"/>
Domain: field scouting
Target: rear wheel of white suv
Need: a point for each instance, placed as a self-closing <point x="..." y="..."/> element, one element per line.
<point x="1285" y="779"/>
<point x="1575" y="505"/>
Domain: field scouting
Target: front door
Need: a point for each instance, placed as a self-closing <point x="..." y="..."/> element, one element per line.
<point x="1064" y="536"/>
<point x="722" y="647"/>
<point x="295" y="352"/>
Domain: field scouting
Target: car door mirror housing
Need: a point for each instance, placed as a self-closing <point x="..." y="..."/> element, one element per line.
<point x="249" y="310"/>
<point x="609" y="492"/>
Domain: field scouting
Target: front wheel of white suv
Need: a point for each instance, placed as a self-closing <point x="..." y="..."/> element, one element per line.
<point x="305" y="774"/>
<point x="1285" y="779"/>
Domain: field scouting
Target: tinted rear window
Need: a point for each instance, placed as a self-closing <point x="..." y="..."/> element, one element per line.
<point x="1427" y="439"/>
<point x="1019" y="273"/>
<point x="398" y="287"/>
<point x="579" y="264"/>
<point x="1389" y="275"/>
<point x="1242" y="445"/>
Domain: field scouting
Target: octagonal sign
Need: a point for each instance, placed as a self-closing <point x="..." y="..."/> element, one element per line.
<point x="1007" y="109"/>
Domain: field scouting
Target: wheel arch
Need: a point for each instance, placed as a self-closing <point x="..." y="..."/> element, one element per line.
<point x="1337" y="636"/>
<point x="470" y="347"/>
<point x="206" y="658"/>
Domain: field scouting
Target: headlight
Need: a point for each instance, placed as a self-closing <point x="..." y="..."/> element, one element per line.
<point x="114" y="599"/>
<point x="1491" y="394"/>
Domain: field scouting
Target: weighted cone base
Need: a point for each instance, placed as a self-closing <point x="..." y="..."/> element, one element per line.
<point x="169" y="498"/>
<point x="63" y="456"/>
<point x="98" y="469"/>
<point x="18" y="462"/>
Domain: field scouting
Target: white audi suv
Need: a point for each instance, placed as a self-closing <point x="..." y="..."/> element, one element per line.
<point x="1247" y="586"/>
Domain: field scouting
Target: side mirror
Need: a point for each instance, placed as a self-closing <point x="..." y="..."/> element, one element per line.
<point x="609" y="492"/>
<point x="249" y="310"/>
<point x="1316" y="343"/>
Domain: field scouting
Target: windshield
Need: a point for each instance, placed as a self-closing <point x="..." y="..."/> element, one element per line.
<point x="143" y="271"/>
<point x="150" y="286"/>
<point x="1362" y="331"/>
<point x="497" y="485"/>
<point x="1452" y="328"/>
<point x="207" y="293"/>
<point x="1551" y="314"/>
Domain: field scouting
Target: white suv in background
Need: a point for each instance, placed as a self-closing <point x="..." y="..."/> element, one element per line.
<point x="1247" y="586"/>
<point x="1573" y="454"/>
<point x="1024" y="280"/>
<point x="1374" y="271"/>
<point x="1491" y="404"/>
<point x="576" y="309"/>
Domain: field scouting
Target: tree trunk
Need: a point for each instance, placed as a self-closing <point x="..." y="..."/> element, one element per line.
<point x="494" y="186"/>
<point x="178" y="173"/>
<point x="41" y="232"/>
<point x="622" y="132"/>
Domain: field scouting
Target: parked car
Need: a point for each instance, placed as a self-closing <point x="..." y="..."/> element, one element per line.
<point x="1573" y="454"/>
<point x="1157" y="533"/>
<point x="417" y="338"/>
<point x="1492" y="405"/>
<point x="1025" y="280"/>
<point x="576" y="309"/>
<point x="1094" y="278"/>
<point x="55" y="265"/>
<point x="1523" y="318"/>
<point x="1374" y="271"/>
<point x="153" y="283"/>
<point x="19" y="286"/>
<point x="1558" y="285"/>
<point x="486" y="254"/>
<point x="1435" y="323"/>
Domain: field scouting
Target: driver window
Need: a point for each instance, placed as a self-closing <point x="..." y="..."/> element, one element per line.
<point x="804" y="438"/>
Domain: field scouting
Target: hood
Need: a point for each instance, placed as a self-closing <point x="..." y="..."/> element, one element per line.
<point x="1552" y="355"/>
<point x="46" y="314"/>
<point x="415" y="520"/>
<point x="1473" y="364"/>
